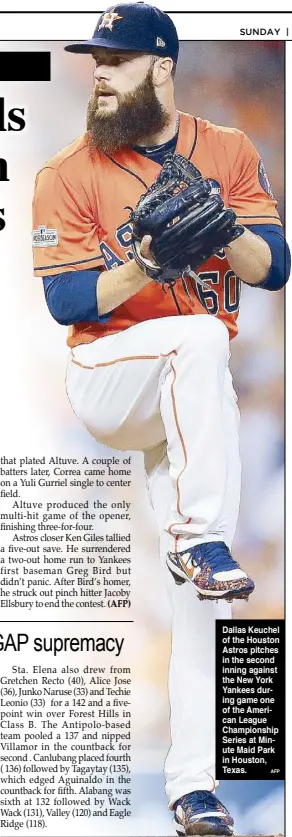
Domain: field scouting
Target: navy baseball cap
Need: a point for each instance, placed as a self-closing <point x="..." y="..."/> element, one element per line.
<point x="133" y="27"/>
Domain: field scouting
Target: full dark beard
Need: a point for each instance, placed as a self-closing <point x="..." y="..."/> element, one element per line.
<point x="139" y="114"/>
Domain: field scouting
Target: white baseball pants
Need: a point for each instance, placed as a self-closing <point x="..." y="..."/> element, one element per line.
<point x="164" y="387"/>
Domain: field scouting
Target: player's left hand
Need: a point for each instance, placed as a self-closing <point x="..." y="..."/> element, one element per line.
<point x="186" y="223"/>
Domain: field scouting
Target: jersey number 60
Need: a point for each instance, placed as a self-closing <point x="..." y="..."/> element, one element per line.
<point x="210" y="298"/>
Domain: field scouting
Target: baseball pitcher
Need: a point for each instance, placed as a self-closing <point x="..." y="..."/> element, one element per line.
<point x="144" y="229"/>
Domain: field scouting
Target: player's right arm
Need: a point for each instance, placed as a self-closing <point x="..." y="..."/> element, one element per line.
<point x="125" y="281"/>
<point x="62" y="215"/>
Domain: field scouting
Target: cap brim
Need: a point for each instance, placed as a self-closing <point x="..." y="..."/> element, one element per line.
<point x="88" y="46"/>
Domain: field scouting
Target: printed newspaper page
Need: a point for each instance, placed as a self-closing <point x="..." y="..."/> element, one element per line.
<point x="143" y="265"/>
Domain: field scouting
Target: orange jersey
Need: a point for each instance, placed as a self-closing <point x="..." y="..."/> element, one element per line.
<point x="81" y="219"/>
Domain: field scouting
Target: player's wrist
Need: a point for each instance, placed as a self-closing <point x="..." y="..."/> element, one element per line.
<point x="237" y="243"/>
<point x="250" y="257"/>
<point x="136" y="273"/>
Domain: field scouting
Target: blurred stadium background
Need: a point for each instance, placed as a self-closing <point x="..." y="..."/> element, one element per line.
<point x="240" y="84"/>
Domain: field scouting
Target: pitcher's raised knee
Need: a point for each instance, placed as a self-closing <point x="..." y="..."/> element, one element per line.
<point x="204" y="333"/>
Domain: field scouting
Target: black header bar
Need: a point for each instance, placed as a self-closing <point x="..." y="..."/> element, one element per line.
<point x="25" y="66"/>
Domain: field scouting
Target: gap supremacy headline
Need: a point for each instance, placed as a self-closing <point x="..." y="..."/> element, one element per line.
<point x="57" y="644"/>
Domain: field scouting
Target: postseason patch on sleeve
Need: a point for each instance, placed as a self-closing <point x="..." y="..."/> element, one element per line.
<point x="264" y="180"/>
<point x="43" y="237"/>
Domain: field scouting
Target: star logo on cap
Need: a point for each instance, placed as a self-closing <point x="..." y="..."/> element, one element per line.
<point x="108" y="20"/>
